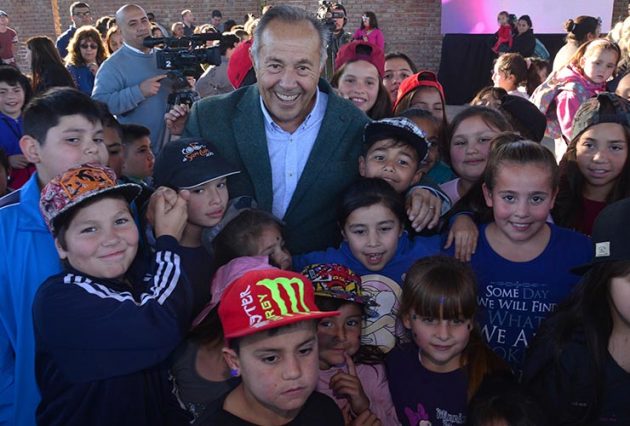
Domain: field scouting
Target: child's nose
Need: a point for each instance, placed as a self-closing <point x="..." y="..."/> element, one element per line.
<point x="522" y="208"/>
<point x="292" y="369"/>
<point x="442" y="330"/>
<point x="110" y="238"/>
<point x="390" y="165"/>
<point x="600" y="156"/>
<point x="341" y="334"/>
<point x="372" y="239"/>
<point x="213" y="196"/>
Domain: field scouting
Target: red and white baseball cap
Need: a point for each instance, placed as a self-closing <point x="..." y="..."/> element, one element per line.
<point x="268" y="298"/>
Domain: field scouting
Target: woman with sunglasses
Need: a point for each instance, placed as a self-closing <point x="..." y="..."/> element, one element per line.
<point x="86" y="52"/>
<point x="369" y="31"/>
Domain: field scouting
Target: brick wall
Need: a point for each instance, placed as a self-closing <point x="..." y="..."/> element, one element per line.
<point x="620" y="10"/>
<point x="411" y="26"/>
<point x="400" y="23"/>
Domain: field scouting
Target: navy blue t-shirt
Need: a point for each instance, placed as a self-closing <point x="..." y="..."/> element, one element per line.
<point x="419" y="394"/>
<point x="199" y="268"/>
<point x="514" y="297"/>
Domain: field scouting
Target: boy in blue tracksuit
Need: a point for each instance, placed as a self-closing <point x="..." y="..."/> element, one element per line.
<point x="106" y="324"/>
<point x="62" y="128"/>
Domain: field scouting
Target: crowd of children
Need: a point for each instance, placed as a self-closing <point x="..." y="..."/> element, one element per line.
<point x="158" y="299"/>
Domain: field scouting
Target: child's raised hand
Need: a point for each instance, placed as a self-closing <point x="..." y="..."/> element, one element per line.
<point x="464" y="234"/>
<point x="170" y="197"/>
<point x="348" y="385"/>
<point x="170" y="219"/>
<point x="423" y="209"/>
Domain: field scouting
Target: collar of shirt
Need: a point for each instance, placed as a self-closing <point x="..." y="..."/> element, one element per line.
<point x="133" y="49"/>
<point x="289" y="152"/>
<point x="313" y="117"/>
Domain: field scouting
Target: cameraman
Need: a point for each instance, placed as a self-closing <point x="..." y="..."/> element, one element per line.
<point x="338" y="36"/>
<point x="129" y="81"/>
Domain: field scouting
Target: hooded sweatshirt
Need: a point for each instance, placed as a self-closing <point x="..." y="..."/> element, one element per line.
<point x="560" y="96"/>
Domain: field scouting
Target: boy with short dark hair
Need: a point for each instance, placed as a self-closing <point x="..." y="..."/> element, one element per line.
<point x="393" y="149"/>
<point x="62" y="129"/>
<point x="112" y="137"/>
<point x="138" y="158"/>
<point x="269" y="320"/>
<point x="106" y="324"/>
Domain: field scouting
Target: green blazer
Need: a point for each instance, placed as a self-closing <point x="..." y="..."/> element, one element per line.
<point x="234" y="123"/>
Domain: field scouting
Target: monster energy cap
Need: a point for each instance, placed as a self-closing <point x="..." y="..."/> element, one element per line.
<point x="264" y="299"/>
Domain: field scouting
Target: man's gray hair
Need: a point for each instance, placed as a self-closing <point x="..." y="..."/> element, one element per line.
<point x="290" y="14"/>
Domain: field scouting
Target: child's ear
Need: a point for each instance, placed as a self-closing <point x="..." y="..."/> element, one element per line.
<point x="362" y="165"/>
<point x="30" y="148"/>
<point x="406" y="320"/>
<point x="512" y="78"/>
<point x="582" y="62"/>
<point x="231" y="359"/>
<point x="487" y="195"/>
<point x="63" y="254"/>
<point x="343" y="233"/>
<point x="416" y="177"/>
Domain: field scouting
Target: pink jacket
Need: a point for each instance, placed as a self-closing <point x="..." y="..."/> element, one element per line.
<point x="375" y="37"/>
<point x="575" y="89"/>
<point x="375" y="385"/>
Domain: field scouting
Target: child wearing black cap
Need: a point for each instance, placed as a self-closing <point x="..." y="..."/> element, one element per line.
<point x="579" y="364"/>
<point x="195" y="165"/>
<point x="104" y="326"/>
<point x="393" y="150"/>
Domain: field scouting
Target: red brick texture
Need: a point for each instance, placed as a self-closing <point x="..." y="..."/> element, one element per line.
<point x="411" y="26"/>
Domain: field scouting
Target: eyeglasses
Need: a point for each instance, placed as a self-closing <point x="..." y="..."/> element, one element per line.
<point x="89" y="46"/>
<point x="82" y="14"/>
<point x="365" y="18"/>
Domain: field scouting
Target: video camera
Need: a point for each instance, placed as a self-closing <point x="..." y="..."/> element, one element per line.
<point x="327" y="14"/>
<point x="181" y="57"/>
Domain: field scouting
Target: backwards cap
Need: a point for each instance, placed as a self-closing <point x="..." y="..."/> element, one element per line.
<point x="617" y="110"/>
<point x="400" y="128"/>
<point x="266" y="299"/>
<point x="336" y="281"/>
<point x="361" y="51"/>
<point x="421" y="79"/>
<point x="78" y="185"/>
<point x="526" y="114"/>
